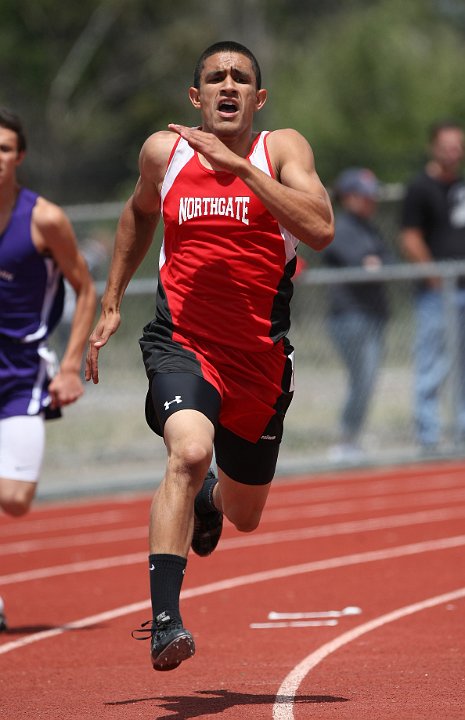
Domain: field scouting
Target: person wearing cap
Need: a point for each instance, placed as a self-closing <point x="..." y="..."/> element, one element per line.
<point x="357" y="312"/>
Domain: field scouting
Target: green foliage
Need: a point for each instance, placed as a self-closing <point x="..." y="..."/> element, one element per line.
<point x="369" y="82"/>
<point x="362" y="79"/>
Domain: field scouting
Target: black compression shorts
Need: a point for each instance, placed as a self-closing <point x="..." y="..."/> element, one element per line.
<point x="243" y="461"/>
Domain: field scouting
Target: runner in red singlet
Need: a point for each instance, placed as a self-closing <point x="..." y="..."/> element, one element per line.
<point x="235" y="204"/>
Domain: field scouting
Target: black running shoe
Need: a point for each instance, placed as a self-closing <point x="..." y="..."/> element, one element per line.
<point x="208" y="525"/>
<point x="207" y="532"/>
<point x="171" y="643"/>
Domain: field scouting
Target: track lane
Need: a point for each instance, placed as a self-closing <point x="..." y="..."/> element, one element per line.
<point x="99" y="657"/>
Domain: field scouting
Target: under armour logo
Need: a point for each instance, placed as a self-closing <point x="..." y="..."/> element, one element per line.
<point x="177" y="399"/>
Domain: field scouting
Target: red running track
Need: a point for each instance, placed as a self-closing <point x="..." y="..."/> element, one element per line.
<point x="390" y="542"/>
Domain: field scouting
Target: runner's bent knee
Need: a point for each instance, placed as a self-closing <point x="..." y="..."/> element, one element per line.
<point x="16" y="496"/>
<point x="189" y="461"/>
<point x="245" y="524"/>
<point x="244" y="516"/>
<point x="22" y="440"/>
<point x="191" y="458"/>
<point x="14" y="507"/>
<point x="189" y="441"/>
<point x="242" y="504"/>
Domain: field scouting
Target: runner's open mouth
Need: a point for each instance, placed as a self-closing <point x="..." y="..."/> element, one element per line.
<point x="227" y="107"/>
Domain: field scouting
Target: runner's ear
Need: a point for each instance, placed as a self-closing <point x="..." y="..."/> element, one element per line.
<point x="261" y="99"/>
<point x="194" y="97"/>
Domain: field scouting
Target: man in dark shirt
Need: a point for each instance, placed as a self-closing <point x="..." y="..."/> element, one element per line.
<point x="433" y="228"/>
<point x="357" y="311"/>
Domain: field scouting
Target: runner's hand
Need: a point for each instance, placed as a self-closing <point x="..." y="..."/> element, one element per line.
<point x="210" y="146"/>
<point x="107" y="325"/>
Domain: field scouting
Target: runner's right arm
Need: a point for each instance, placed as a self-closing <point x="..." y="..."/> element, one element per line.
<point x="134" y="235"/>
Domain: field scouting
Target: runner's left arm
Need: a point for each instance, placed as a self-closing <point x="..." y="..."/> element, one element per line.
<point x="53" y="235"/>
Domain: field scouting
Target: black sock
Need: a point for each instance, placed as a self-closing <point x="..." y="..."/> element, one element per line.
<point x="166" y="576"/>
<point x="204" y="499"/>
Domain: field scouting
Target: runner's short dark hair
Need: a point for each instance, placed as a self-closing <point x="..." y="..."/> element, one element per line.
<point x="11" y="121"/>
<point x="227" y="46"/>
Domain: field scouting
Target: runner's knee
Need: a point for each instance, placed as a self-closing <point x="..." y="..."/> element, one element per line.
<point x="16" y="502"/>
<point x="191" y="460"/>
<point x="245" y="523"/>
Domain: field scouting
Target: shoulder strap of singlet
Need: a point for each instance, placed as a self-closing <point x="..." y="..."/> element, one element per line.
<point x="180" y="156"/>
<point x="259" y="156"/>
<point x="25" y="201"/>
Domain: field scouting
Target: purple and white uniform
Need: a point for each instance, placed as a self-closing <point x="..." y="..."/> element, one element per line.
<point x="31" y="303"/>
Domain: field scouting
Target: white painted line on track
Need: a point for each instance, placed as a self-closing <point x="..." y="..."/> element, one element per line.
<point x="73" y="568"/>
<point x="397" y="485"/>
<point x="349" y="610"/>
<point x="280" y="536"/>
<point x="67" y="541"/>
<point x="75" y="625"/>
<point x="251" y="579"/>
<point x="292" y="624"/>
<point x="90" y="519"/>
<point x="362" y="505"/>
<point x="247" y="540"/>
<point x="284" y="704"/>
<point x="345" y="528"/>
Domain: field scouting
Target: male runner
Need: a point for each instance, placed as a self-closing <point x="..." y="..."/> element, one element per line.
<point x="234" y="204"/>
<point x="37" y="248"/>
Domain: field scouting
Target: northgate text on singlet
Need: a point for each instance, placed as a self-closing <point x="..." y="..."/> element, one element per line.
<point x="235" y="207"/>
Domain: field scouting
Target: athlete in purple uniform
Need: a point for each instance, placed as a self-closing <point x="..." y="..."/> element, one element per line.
<point x="234" y="203"/>
<point x="38" y="249"/>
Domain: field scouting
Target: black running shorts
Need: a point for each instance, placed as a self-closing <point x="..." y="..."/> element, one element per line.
<point x="245" y="395"/>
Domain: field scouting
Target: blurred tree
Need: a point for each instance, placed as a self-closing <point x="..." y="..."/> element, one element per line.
<point x="92" y="80"/>
<point x="369" y="82"/>
<point x="361" y="79"/>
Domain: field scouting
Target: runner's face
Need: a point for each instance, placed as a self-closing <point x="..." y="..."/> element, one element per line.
<point x="10" y="158"/>
<point x="228" y="97"/>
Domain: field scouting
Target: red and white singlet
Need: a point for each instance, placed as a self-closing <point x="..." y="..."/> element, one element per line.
<point x="225" y="264"/>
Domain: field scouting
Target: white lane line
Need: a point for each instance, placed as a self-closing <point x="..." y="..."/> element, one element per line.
<point x="90" y="519"/>
<point x="36" y="525"/>
<point x="345" y="528"/>
<point x="321" y="531"/>
<point x="284" y="704"/>
<point x="364" y="489"/>
<point x="75" y="625"/>
<point x="135" y="533"/>
<point x="251" y="579"/>
<point x="73" y="568"/>
<point x="66" y="541"/>
<point x="363" y="505"/>
<point x="349" y="610"/>
<point x="292" y="624"/>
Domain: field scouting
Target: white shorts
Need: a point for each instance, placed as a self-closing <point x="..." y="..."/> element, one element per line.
<point x="22" y="443"/>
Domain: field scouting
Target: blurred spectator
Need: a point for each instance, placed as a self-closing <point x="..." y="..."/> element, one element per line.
<point x="357" y="311"/>
<point x="433" y="228"/>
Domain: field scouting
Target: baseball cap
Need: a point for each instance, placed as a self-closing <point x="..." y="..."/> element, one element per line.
<point x="359" y="181"/>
